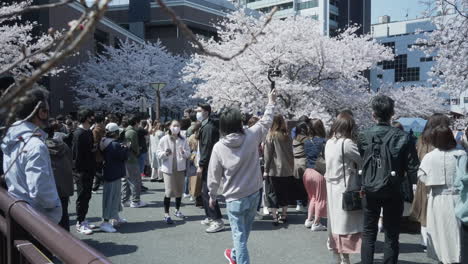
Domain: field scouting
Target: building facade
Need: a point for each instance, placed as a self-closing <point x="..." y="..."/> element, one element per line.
<point x="410" y="66"/>
<point x="146" y="19"/>
<point x="61" y="97"/>
<point x="331" y="14"/>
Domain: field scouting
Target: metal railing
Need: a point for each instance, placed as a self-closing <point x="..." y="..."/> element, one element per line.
<point x="27" y="237"/>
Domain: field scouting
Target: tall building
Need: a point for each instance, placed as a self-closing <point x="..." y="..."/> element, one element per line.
<point x="410" y="67"/>
<point x="332" y="14"/>
<point x="147" y="20"/>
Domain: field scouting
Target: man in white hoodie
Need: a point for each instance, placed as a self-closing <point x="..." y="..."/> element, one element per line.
<point x="235" y="159"/>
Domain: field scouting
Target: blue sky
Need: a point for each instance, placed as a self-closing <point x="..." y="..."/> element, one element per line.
<point x="396" y="9"/>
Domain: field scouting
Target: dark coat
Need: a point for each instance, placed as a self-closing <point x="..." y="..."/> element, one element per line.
<point x="209" y="135"/>
<point x="115" y="156"/>
<point x="62" y="164"/>
<point x="401" y="145"/>
<point x="83" y="151"/>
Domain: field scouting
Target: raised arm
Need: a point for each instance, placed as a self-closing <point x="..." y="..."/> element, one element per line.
<point x="262" y="127"/>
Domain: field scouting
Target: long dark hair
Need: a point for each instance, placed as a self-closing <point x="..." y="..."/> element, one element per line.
<point x="302" y="129"/>
<point x="434" y="121"/>
<point x="317" y="129"/>
<point x="230" y="122"/>
<point x="442" y="138"/>
<point x="344" y="127"/>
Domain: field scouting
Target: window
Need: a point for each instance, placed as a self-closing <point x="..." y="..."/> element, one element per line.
<point x="456" y="101"/>
<point x="334" y="2"/>
<point x="380" y="76"/>
<point x="308" y="4"/>
<point x="333" y="17"/>
<point x="465" y="100"/>
<point x="425" y="59"/>
<point x="280" y="7"/>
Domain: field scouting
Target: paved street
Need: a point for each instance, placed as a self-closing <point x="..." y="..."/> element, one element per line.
<point x="147" y="239"/>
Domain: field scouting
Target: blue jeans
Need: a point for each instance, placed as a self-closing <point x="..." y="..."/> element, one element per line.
<point x="241" y="215"/>
<point x="141" y="162"/>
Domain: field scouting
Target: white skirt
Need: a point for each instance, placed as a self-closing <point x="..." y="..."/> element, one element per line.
<point x="443" y="229"/>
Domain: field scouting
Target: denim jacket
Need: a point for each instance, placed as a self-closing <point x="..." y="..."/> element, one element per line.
<point x="313" y="147"/>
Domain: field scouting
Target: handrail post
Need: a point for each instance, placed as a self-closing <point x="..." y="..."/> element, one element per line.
<point x="15" y="232"/>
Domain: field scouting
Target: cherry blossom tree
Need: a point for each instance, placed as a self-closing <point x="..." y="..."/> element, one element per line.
<point x="320" y="75"/>
<point x="117" y="79"/>
<point x="450" y="42"/>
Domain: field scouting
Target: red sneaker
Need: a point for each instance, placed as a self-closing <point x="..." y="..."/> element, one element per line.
<point x="227" y="254"/>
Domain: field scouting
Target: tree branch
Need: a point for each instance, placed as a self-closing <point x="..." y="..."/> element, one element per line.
<point x="189" y="34"/>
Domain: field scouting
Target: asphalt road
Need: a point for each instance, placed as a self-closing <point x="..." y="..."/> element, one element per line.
<point x="147" y="239"/>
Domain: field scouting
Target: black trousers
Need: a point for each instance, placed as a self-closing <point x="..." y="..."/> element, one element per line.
<point x="212" y="213"/>
<point x="464" y="243"/>
<point x="392" y="206"/>
<point x="84" y="186"/>
<point x="65" y="221"/>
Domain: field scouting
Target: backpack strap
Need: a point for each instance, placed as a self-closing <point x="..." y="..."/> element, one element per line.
<point x="389" y="135"/>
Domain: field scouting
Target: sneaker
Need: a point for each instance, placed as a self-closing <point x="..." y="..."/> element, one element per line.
<point x="142" y="175"/>
<point x="107" y="227"/>
<point x="266" y="211"/>
<point x="318" y="227"/>
<point x="83" y="229"/>
<point x="300" y="208"/>
<point x="144" y="188"/>
<point x="191" y="198"/>
<point x="216" y="226"/>
<point x="168" y="220"/>
<point x="227" y="255"/>
<point x="91" y="226"/>
<point x="381" y="229"/>
<point x="119" y="221"/>
<point x="153" y="180"/>
<point x="206" y="222"/>
<point x="259" y="215"/>
<point x="126" y="204"/>
<point x="308" y="223"/>
<point x="179" y="214"/>
<point x="137" y="204"/>
<point x="187" y="196"/>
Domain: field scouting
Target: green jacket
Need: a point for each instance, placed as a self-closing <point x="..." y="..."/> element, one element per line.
<point x="401" y="143"/>
<point x="131" y="136"/>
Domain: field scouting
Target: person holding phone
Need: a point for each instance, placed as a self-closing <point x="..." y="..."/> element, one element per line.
<point x="173" y="151"/>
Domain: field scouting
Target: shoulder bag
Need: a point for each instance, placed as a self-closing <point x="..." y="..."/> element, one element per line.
<point x="352" y="200"/>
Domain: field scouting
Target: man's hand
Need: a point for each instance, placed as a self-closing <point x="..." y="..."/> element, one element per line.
<point x="272" y="97"/>
<point x="212" y="203"/>
<point x="199" y="172"/>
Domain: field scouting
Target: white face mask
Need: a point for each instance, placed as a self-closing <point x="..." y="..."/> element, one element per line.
<point x="175" y="130"/>
<point x="200" y="116"/>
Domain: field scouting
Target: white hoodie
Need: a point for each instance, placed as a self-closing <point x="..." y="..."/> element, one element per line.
<point x="235" y="159"/>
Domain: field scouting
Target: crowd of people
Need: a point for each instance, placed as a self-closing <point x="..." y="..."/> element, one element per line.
<point x="354" y="182"/>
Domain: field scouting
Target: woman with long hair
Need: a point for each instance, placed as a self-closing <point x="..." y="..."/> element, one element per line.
<point x="438" y="171"/>
<point x="423" y="146"/>
<point x="173" y="151"/>
<point x="156" y="134"/>
<point x="342" y="160"/>
<point x="314" y="180"/>
<point x="279" y="169"/>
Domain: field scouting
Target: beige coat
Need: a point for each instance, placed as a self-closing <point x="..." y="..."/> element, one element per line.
<point x="278" y="156"/>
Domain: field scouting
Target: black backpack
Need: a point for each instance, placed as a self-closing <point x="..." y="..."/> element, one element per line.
<point x="380" y="167"/>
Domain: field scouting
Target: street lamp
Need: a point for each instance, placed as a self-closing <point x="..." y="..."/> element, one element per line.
<point x="273" y="72"/>
<point x="158" y="86"/>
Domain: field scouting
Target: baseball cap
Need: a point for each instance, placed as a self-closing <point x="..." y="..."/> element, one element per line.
<point x="112" y="127"/>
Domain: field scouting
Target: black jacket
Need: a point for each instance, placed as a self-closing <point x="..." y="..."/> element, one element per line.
<point x="115" y="156"/>
<point x="209" y="135"/>
<point x="84" y="151"/>
<point x="400" y="143"/>
<point x="61" y="160"/>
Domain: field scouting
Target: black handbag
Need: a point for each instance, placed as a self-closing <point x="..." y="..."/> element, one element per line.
<point x="352" y="200"/>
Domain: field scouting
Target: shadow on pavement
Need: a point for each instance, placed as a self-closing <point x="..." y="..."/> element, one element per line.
<point x="111" y="248"/>
<point x="404" y="248"/>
